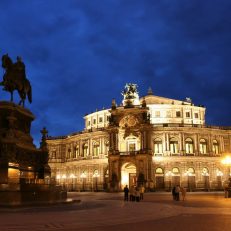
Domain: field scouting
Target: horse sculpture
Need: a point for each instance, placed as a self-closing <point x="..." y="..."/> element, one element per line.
<point x="14" y="78"/>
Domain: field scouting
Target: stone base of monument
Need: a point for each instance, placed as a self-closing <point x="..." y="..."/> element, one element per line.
<point x="31" y="194"/>
<point x="24" y="169"/>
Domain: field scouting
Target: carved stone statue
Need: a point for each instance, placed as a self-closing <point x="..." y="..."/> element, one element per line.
<point x="14" y="78"/>
<point x="131" y="95"/>
<point x="130" y="91"/>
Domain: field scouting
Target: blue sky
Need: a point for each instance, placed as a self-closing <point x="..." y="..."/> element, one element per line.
<point x="79" y="54"/>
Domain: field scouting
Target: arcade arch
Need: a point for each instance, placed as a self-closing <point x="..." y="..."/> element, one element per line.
<point x="128" y="175"/>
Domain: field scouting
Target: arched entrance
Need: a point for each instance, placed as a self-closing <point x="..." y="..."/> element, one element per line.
<point x="128" y="175"/>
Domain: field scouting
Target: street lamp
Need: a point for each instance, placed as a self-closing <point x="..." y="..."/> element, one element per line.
<point x="58" y="177"/>
<point x="227" y="161"/>
<point x="95" y="176"/>
<point x="83" y="177"/>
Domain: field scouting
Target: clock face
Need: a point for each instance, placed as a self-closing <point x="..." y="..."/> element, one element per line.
<point x="128" y="121"/>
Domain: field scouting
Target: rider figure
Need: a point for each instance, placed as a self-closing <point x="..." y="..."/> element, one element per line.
<point x="20" y="66"/>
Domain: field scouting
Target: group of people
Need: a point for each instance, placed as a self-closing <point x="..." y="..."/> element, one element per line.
<point x="135" y="193"/>
<point x="176" y="190"/>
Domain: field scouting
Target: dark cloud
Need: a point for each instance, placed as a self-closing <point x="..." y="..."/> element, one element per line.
<point x="79" y="54"/>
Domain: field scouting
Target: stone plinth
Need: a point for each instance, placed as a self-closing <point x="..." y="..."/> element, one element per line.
<point x="23" y="167"/>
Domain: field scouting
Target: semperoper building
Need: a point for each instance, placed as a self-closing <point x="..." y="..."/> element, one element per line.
<point x="152" y="140"/>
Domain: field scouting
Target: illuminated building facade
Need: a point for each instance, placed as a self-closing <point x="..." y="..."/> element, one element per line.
<point x="154" y="141"/>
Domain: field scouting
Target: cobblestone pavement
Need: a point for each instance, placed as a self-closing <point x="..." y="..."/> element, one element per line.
<point x="107" y="211"/>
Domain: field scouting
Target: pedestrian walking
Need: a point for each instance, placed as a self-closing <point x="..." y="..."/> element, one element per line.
<point x="137" y="194"/>
<point x="174" y="193"/>
<point x="177" y="192"/>
<point x="142" y="189"/>
<point x="183" y="193"/>
<point x="126" y="191"/>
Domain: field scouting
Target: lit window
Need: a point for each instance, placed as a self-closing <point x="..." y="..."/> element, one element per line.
<point x="96" y="149"/>
<point x="159" y="171"/>
<point x="215" y="147"/>
<point x="175" y="171"/>
<point x="168" y="114"/>
<point x="174" y="145"/>
<point x="158" y="148"/>
<point x="189" y="146"/>
<point x="203" y="146"/>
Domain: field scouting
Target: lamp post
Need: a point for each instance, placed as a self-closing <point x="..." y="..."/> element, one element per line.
<point x="83" y="177"/>
<point x="95" y="176"/>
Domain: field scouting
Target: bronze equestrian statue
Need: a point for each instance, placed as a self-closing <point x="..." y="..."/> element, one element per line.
<point x="14" y="78"/>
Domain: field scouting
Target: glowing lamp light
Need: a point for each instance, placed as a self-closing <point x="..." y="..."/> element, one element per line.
<point x="226" y="160"/>
<point x="64" y="176"/>
<point x="72" y="176"/>
<point x="58" y="177"/>
<point x="83" y="175"/>
<point x="169" y="173"/>
<point x="125" y="179"/>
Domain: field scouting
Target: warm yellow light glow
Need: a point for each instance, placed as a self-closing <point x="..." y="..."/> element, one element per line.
<point x="96" y="174"/>
<point x="219" y="173"/>
<point x="125" y="179"/>
<point x="83" y="175"/>
<point x="158" y="158"/>
<point x="58" y="177"/>
<point x="64" y="176"/>
<point x="72" y="176"/>
<point x="12" y="164"/>
<point x="226" y="160"/>
<point x="169" y="173"/>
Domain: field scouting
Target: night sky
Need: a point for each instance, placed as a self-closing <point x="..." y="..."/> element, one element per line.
<point x="80" y="54"/>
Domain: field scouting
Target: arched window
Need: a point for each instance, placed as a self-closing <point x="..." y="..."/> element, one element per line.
<point x="159" y="171"/>
<point x="205" y="171"/>
<point x="190" y="172"/>
<point x="85" y="150"/>
<point x="203" y="146"/>
<point x="215" y="147"/>
<point x="158" y="147"/>
<point x="176" y="171"/>
<point x="95" y="148"/>
<point x="189" y="146"/>
<point x="174" y="145"/>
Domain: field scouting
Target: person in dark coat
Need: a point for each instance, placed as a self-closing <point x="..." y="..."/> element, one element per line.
<point x="126" y="191"/>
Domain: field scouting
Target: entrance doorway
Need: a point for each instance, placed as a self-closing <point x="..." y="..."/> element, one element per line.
<point x="128" y="175"/>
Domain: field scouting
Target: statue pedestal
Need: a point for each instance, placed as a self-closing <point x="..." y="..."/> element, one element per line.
<point x="23" y="167"/>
